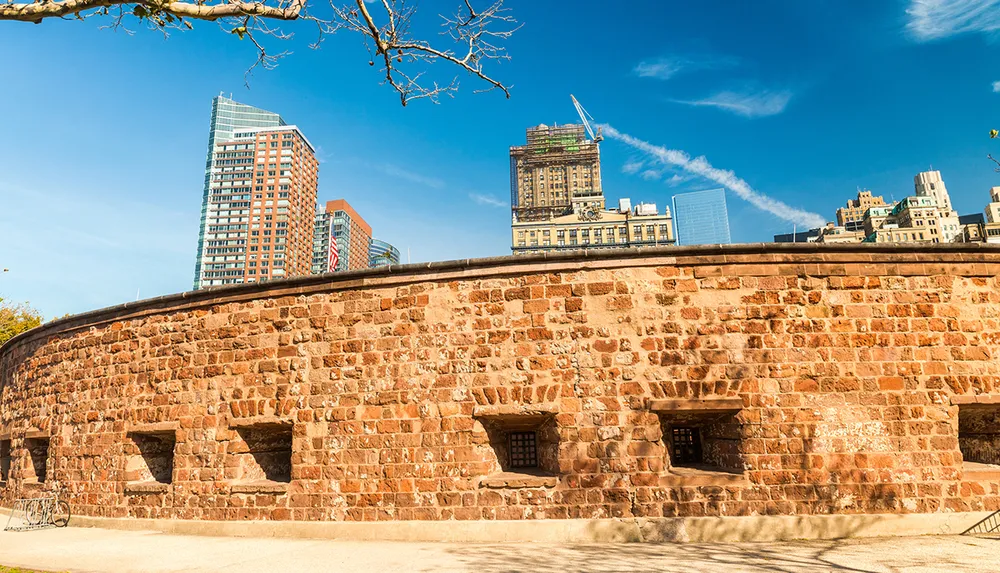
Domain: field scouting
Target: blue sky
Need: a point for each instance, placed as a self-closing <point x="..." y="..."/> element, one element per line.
<point x="104" y="133"/>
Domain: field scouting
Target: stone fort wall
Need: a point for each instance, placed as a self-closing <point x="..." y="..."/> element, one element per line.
<point x="697" y="381"/>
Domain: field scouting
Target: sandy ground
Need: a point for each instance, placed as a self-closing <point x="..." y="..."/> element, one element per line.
<point x="109" y="551"/>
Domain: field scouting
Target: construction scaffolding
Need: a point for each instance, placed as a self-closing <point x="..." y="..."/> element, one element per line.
<point x="559" y="152"/>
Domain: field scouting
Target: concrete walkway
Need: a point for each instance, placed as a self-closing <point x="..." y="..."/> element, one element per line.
<point x="82" y="550"/>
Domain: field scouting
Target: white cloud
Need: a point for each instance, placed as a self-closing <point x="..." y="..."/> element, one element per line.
<point x="996" y="87"/>
<point x="700" y="167"/>
<point x="490" y="200"/>
<point x="677" y="179"/>
<point x="651" y="174"/>
<point x="632" y="166"/>
<point x="936" y="19"/>
<point x="666" y="67"/>
<point x="746" y="103"/>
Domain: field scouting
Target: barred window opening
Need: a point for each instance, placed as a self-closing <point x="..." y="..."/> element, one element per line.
<point x="523" y="449"/>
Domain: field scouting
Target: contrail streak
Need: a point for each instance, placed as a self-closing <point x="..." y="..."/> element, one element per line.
<point x="701" y="167"/>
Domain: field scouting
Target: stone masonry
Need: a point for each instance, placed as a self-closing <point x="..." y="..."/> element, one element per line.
<point x="813" y="379"/>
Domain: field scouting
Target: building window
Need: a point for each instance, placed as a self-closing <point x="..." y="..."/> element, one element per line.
<point x="522" y="447"/>
<point x="637" y="229"/>
<point x="685" y="446"/>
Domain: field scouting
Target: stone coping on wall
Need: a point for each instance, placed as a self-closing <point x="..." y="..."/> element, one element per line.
<point x="750" y="259"/>
<point x="760" y="528"/>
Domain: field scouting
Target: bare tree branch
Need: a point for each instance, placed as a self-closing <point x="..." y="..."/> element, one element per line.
<point x="476" y="37"/>
<point x="38" y="11"/>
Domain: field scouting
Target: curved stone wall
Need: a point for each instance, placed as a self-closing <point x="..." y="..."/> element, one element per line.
<point x="813" y="380"/>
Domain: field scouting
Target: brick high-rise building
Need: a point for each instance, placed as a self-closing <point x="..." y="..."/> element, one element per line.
<point x="228" y="116"/>
<point x="852" y="216"/>
<point x="341" y="223"/>
<point x="258" y="217"/>
<point x="557" y="202"/>
<point x="558" y="172"/>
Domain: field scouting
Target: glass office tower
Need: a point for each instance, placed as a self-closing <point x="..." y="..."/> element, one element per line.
<point x="381" y="253"/>
<point x="701" y="218"/>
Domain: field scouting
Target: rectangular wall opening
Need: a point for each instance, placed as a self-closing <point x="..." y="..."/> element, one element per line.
<point x="524" y="445"/>
<point x="264" y="454"/>
<point x="38" y="452"/>
<point x="4" y="460"/>
<point x="701" y="434"/>
<point x="710" y="444"/>
<point x="979" y="436"/>
<point x="149" y="458"/>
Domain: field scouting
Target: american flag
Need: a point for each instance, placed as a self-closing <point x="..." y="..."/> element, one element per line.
<point x="334" y="254"/>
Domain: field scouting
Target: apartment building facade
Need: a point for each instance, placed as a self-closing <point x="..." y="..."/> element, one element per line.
<point x="558" y="203"/>
<point x="852" y="217"/>
<point x="228" y="116"/>
<point x="261" y="204"/>
<point x="341" y="239"/>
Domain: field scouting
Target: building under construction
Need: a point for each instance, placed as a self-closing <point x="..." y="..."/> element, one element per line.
<point x="557" y="173"/>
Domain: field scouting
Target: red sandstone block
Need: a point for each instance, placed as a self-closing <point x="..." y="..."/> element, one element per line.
<point x="536" y="306"/>
<point x="596" y="289"/>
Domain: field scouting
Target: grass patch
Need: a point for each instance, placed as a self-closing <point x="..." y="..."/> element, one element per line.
<point x="18" y="570"/>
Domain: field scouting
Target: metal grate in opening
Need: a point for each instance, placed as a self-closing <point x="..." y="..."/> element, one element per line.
<point x="685" y="446"/>
<point x="523" y="448"/>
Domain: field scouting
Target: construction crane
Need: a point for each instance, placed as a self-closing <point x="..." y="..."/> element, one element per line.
<point x="586" y="124"/>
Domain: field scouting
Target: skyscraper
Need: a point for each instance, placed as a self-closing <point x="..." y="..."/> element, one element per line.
<point x="340" y="230"/>
<point x="260" y="206"/>
<point x="228" y="116"/>
<point x="381" y="253"/>
<point x="701" y="218"/>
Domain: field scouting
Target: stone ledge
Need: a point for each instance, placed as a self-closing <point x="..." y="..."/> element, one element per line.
<point x="698" y="406"/>
<point x="259" y="487"/>
<point x="977" y="399"/>
<point x="144" y="487"/>
<point x="513" y="480"/>
<point x="759" y="528"/>
<point x="153" y="428"/>
<point x="980" y="472"/>
<point x="697" y="477"/>
<point x="36" y="434"/>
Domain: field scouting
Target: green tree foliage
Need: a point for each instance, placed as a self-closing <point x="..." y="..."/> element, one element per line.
<point x="16" y="318"/>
